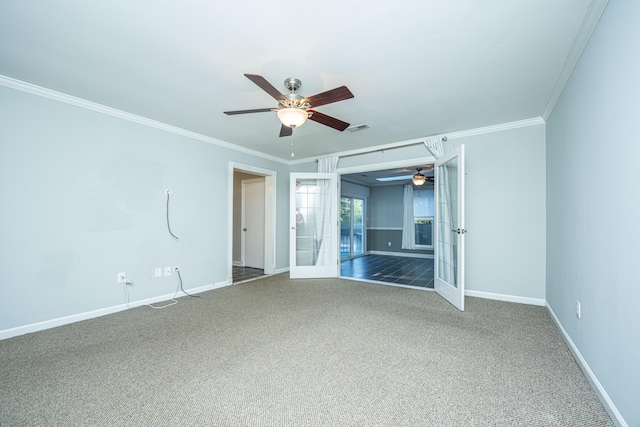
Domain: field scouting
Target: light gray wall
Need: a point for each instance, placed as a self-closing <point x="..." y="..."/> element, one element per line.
<point x="593" y="204"/>
<point x="505" y="212"/>
<point x="83" y="199"/>
<point x="386" y="206"/>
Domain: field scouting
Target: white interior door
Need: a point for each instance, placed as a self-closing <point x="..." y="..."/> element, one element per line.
<point x="314" y="225"/>
<point x="253" y="221"/>
<point x="449" y="230"/>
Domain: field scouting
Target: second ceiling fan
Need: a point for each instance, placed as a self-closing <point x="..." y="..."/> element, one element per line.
<point x="293" y="109"/>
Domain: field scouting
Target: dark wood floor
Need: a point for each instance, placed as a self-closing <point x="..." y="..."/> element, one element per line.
<point x="240" y="274"/>
<point x="390" y="269"/>
<point x="381" y="268"/>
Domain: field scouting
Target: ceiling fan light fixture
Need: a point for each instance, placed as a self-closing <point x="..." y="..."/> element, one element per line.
<point x="292" y="117"/>
<point x="419" y="179"/>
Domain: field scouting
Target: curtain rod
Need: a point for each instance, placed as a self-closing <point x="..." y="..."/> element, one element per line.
<point x="444" y="139"/>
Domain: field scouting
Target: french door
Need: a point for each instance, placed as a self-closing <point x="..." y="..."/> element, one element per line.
<point x="449" y="230"/>
<point x="313" y="235"/>
<point x="351" y="227"/>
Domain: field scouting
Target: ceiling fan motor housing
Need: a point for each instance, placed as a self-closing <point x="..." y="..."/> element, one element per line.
<point x="292" y="84"/>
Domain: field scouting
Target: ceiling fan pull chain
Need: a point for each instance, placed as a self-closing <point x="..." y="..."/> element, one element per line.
<point x="292" y="143"/>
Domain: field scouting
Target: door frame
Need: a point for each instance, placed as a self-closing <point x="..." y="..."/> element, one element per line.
<point x="269" y="216"/>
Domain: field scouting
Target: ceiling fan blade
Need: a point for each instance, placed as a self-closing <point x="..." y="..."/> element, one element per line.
<point x="265" y="86"/>
<point x="328" y="120"/>
<point x="255" y="110"/>
<point x="285" y="131"/>
<point x="334" y="95"/>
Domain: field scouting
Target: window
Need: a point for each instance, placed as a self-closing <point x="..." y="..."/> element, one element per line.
<point x="423" y="216"/>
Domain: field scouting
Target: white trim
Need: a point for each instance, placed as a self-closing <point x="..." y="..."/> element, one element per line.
<point x="402" y="254"/>
<point x="385" y="228"/>
<point x="281" y="270"/>
<point x="385" y="165"/>
<point x="591" y="19"/>
<point x="392" y="145"/>
<point x="237" y="264"/>
<point x="496" y="128"/>
<point x="504" y="297"/>
<point x="52" y="323"/>
<point x="606" y="401"/>
<point x="99" y="108"/>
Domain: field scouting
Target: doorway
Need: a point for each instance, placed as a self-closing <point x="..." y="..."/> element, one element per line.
<point x="382" y="257"/>
<point x="251" y="222"/>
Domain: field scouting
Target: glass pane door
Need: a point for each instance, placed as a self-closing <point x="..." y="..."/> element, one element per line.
<point x="449" y="250"/>
<point x="358" y="228"/>
<point x="351" y="227"/>
<point x="345" y="228"/>
<point x="314" y="219"/>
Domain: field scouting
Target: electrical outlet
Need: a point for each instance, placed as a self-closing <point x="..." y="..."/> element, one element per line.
<point x="122" y="277"/>
<point x="158" y="272"/>
<point x="176" y="268"/>
<point x="167" y="271"/>
<point x="389" y="244"/>
<point x="578" y="310"/>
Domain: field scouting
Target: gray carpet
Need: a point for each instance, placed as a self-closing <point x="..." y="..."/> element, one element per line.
<point x="280" y="352"/>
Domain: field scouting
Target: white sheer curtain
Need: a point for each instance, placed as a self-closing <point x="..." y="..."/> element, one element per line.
<point x="408" y="222"/>
<point x="328" y="164"/>
<point x="322" y="233"/>
<point x="434" y="145"/>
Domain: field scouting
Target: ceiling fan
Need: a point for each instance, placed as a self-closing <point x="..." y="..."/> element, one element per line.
<point x="419" y="179"/>
<point x="293" y="109"/>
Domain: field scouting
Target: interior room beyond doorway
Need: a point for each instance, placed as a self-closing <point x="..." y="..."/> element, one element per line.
<point x="373" y="231"/>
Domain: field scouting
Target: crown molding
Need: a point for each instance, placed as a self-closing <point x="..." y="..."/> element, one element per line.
<point x="496" y="128"/>
<point x="591" y="19"/>
<point x="103" y="109"/>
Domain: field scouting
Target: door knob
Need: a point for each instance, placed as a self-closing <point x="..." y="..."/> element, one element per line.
<point x="244" y="229"/>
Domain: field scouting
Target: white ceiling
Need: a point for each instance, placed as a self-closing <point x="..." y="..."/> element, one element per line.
<point x="416" y="68"/>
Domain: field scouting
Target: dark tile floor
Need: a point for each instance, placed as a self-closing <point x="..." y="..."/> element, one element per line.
<point x="390" y="269"/>
<point x="240" y="274"/>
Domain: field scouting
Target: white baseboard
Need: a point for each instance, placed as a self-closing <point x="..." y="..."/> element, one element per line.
<point x="606" y="401"/>
<point x="503" y="297"/>
<point x="281" y="270"/>
<point x="403" y="254"/>
<point x="48" y="324"/>
<point x="237" y="264"/>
